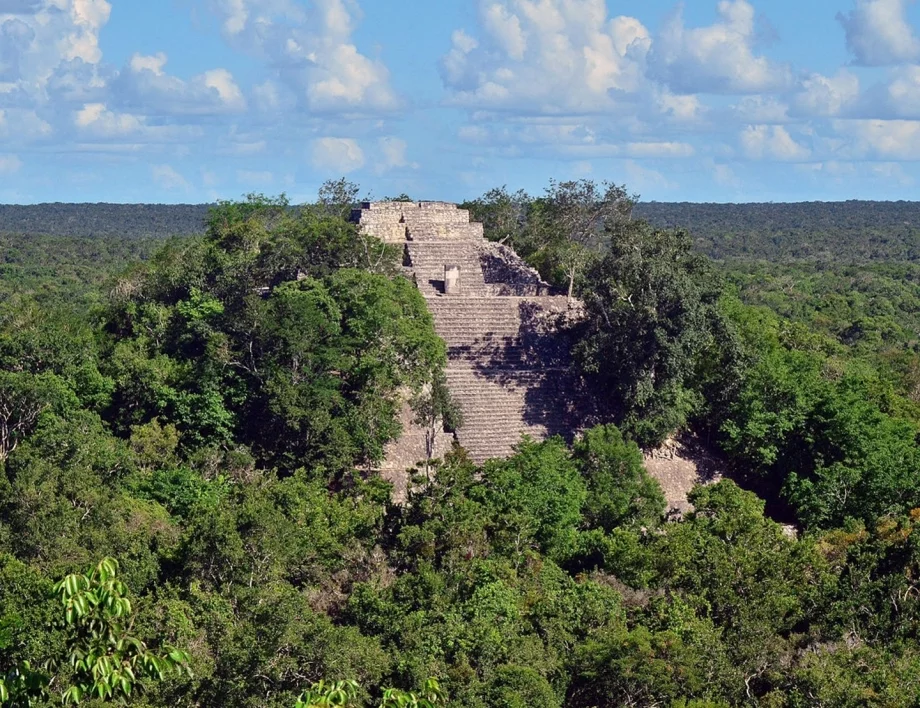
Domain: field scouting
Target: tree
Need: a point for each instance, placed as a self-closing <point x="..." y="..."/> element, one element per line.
<point x="573" y="217"/>
<point x="23" y="399"/>
<point x="504" y="216"/>
<point x="435" y="410"/>
<point x="650" y="313"/>
<point x="620" y="491"/>
<point x="337" y="197"/>
<point x="103" y="659"/>
<point x="345" y="694"/>
<point x="535" y="498"/>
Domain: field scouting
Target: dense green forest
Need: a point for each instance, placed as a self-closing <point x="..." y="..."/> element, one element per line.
<point x="189" y="516"/>
<point x="122" y="221"/>
<point x="846" y="232"/>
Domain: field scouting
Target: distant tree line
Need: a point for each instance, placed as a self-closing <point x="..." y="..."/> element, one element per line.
<point x="851" y="231"/>
<point x="114" y="220"/>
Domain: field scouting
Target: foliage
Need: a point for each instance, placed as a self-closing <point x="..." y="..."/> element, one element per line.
<point x="102" y="660"/>
<point x="267" y="332"/>
<point x="651" y="314"/>
<point x="620" y="491"/>
<point x="345" y="693"/>
<point x="846" y="232"/>
<point x="211" y="418"/>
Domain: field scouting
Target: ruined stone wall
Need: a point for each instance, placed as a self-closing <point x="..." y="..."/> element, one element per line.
<point x="508" y="363"/>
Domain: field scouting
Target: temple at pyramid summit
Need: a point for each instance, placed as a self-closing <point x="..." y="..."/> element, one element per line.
<point x="508" y="359"/>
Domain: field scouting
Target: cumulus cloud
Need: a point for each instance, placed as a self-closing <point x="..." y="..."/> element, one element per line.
<point x="827" y="96"/>
<point x="23" y="125"/>
<point x="896" y="98"/>
<point x="904" y="91"/>
<point x="37" y="39"/>
<point x="97" y="118"/>
<point x="719" y="58"/>
<point x="572" y="140"/>
<point x="761" y="109"/>
<point x="686" y="108"/>
<point x="894" y="140"/>
<point x="771" y="142"/>
<point x="878" y="33"/>
<point x="644" y="178"/>
<point x="312" y="51"/>
<point x="97" y="122"/>
<point x="338" y="155"/>
<point x="144" y="85"/>
<point x="546" y="56"/>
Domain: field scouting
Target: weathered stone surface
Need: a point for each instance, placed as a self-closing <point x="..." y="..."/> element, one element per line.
<point x="508" y="364"/>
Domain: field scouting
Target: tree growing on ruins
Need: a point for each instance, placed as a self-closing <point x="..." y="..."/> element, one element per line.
<point x="435" y="410"/>
<point x="337" y="197"/>
<point x="575" y="216"/>
<point x="651" y="311"/>
<point x="504" y="216"/>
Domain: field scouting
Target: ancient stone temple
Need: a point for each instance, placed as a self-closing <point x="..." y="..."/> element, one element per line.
<point x="508" y="368"/>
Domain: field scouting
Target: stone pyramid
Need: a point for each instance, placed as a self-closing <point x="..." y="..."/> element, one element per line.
<point x="509" y="367"/>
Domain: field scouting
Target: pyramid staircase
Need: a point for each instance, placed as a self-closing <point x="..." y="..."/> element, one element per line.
<point x="508" y="364"/>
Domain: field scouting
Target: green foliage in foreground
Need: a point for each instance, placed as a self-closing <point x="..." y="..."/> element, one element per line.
<point x="101" y="659"/>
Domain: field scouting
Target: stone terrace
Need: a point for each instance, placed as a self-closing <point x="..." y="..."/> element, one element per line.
<point x="508" y="367"/>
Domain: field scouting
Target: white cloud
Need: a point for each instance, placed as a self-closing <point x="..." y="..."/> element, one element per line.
<point x="96" y="122"/>
<point x="167" y="178"/>
<point x="546" y="56"/>
<point x="659" y="149"/>
<point x="340" y="155"/>
<point x="683" y="108"/>
<point x="221" y="81"/>
<point x="895" y="140"/>
<point x="243" y="147"/>
<point x="568" y="140"/>
<point x="900" y="98"/>
<point x="23" y="125"/>
<point x="145" y="87"/>
<point x="96" y="117"/>
<point x="827" y="96"/>
<point x="892" y="172"/>
<point x="9" y="164"/>
<point x="719" y="58"/>
<point x="771" y="142"/>
<point x="312" y="52"/>
<point x="761" y="109"/>
<point x="50" y="37"/>
<point x="878" y="33"/>
<point x="88" y="16"/>
<point x="153" y="64"/>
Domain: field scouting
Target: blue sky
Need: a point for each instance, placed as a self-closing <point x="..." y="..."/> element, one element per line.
<point x="705" y="100"/>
